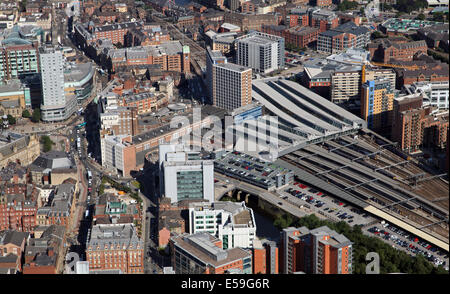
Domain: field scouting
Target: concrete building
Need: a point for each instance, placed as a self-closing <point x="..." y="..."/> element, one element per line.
<point x="262" y="52"/>
<point x="202" y="253"/>
<point x="377" y="103"/>
<point x="119" y="153"/>
<point x="56" y="105"/>
<point x="233" y="223"/>
<point x="79" y="80"/>
<point x="318" y="251"/>
<point x="184" y="175"/>
<point x="229" y="85"/>
<point x="434" y="93"/>
<point x="115" y="246"/>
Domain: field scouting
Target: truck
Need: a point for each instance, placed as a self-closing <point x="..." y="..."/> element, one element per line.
<point x="89" y="175"/>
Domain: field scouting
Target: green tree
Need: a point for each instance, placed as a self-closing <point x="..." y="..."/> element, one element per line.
<point x="47" y="142"/>
<point x="11" y="120"/>
<point x="36" y="115"/>
<point x="26" y="113"/>
<point x="421" y="16"/>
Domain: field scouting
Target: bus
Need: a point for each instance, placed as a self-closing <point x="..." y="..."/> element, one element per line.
<point x="81" y="125"/>
<point x="89" y="175"/>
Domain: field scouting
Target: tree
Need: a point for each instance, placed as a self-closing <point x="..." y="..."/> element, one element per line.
<point x="36" y="115"/>
<point x="421" y="16"/>
<point x="26" y="113"/>
<point x="377" y="35"/>
<point x="11" y="120"/>
<point x="47" y="142"/>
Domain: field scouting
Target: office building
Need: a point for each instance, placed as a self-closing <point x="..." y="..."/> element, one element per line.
<point x="434" y="93"/>
<point x="202" y="253"/>
<point x="56" y="105"/>
<point x="18" y="57"/>
<point x="318" y="251"/>
<point x="377" y="103"/>
<point x="229" y="85"/>
<point x="119" y="153"/>
<point x="262" y="52"/>
<point x="115" y="247"/>
<point x="233" y="223"/>
<point x="184" y="175"/>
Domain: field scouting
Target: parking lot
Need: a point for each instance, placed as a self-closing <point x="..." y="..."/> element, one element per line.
<point x="408" y="243"/>
<point x="324" y="205"/>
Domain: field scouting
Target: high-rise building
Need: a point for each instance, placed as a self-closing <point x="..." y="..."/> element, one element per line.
<point x="202" y="253"/>
<point x="233" y="223"/>
<point x="262" y="52"/>
<point x="377" y="103"/>
<point x="229" y="85"/>
<point x="318" y="251"/>
<point x="184" y="175"/>
<point x="56" y="106"/>
<point x="265" y="257"/>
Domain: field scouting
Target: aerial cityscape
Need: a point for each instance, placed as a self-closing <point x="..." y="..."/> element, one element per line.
<point x="224" y="137"/>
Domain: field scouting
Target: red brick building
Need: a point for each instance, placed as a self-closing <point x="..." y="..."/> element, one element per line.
<point x="117" y="247"/>
<point x="319" y="251"/>
<point x="297" y="36"/>
<point x="414" y="126"/>
<point x="17" y="212"/>
<point x="265" y="257"/>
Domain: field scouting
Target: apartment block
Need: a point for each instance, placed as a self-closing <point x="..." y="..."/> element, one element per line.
<point x="415" y="126"/>
<point x="345" y="36"/>
<point x="298" y="36"/>
<point x="115" y="247"/>
<point x="233" y="223"/>
<point x="229" y="85"/>
<point x="56" y="105"/>
<point x="391" y="50"/>
<point x="265" y="257"/>
<point x="322" y="19"/>
<point x="202" y="253"/>
<point x="262" y="52"/>
<point x="377" y="103"/>
<point x="318" y="251"/>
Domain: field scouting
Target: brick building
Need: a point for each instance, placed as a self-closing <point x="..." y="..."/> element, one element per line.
<point x="265" y="257"/>
<point x="169" y="56"/>
<point x="18" y="208"/>
<point x="115" y="246"/>
<point x="318" y="251"/>
<point x="415" y="126"/>
<point x="396" y="49"/>
<point x="248" y="22"/>
<point x="297" y="36"/>
<point x="345" y="36"/>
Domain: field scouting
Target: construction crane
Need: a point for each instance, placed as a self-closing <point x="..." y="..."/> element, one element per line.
<point x="410" y="67"/>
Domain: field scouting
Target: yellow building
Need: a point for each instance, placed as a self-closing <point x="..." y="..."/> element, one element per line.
<point x="377" y="104"/>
